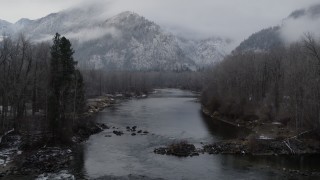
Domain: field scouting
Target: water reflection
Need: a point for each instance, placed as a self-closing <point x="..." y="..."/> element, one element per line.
<point x="222" y="130"/>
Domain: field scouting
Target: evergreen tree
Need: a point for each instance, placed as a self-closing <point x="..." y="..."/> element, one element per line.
<point x="54" y="86"/>
<point x="79" y="93"/>
<point x="66" y="89"/>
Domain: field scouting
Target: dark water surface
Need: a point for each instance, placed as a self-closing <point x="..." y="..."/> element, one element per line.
<point x="171" y="115"/>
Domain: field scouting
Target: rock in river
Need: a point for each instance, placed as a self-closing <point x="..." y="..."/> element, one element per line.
<point x="118" y="133"/>
<point x="182" y="149"/>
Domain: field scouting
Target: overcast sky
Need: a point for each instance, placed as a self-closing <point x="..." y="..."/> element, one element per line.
<point x="231" y="18"/>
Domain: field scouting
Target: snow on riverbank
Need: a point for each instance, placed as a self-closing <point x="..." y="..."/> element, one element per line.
<point x="10" y="148"/>
<point x="64" y="174"/>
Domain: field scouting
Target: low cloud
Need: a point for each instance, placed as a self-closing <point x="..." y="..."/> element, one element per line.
<point x="294" y="29"/>
<point x="85" y="35"/>
<point x="307" y="21"/>
<point x="43" y="38"/>
<point x="233" y="19"/>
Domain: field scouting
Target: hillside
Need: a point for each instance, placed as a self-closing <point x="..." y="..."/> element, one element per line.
<point x="292" y="29"/>
<point x="126" y="41"/>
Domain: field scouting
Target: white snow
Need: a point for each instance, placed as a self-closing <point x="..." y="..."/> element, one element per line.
<point x="62" y="175"/>
<point x="125" y="41"/>
<point x="206" y="51"/>
<point x="7" y="154"/>
<point x="264" y="137"/>
<point x="276" y="123"/>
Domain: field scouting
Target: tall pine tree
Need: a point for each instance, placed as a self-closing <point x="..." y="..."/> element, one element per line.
<point x="66" y="89"/>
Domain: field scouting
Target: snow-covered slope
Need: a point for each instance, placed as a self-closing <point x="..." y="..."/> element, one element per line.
<point x="4" y="26"/>
<point x="134" y="43"/>
<point x="205" y="52"/>
<point x="126" y="41"/>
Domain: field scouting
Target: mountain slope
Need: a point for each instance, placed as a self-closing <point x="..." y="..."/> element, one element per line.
<point x="292" y="29"/>
<point x="134" y="43"/>
<point x="126" y="41"/>
<point x="206" y="51"/>
<point x="4" y="26"/>
<point x="263" y="40"/>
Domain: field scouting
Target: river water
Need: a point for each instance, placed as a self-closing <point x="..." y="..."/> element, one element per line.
<point x="171" y="115"/>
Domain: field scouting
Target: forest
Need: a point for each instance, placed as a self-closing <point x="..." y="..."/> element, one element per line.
<point x="278" y="85"/>
<point x="281" y="85"/>
<point x="29" y="77"/>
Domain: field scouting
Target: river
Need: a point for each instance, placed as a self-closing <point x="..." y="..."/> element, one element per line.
<point x="171" y="115"/>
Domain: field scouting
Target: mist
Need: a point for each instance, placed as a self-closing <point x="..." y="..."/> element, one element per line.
<point x="92" y="34"/>
<point x="302" y="22"/>
<point x="235" y="20"/>
<point x="230" y="19"/>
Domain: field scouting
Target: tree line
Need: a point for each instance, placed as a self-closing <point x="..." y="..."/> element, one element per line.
<point x="277" y="85"/>
<point x="23" y="80"/>
<point x="39" y="86"/>
<point x="43" y="90"/>
<point x="101" y="81"/>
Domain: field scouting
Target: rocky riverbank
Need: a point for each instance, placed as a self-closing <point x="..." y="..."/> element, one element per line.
<point x="272" y="138"/>
<point x="261" y="147"/>
<point x="22" y="155"/>
<point x="241" y="147"/>
<point x="266" y="138"/>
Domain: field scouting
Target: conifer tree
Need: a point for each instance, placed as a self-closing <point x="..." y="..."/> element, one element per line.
<point x="66" y="89"/>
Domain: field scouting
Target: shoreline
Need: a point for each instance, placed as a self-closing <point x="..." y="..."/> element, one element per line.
<point x="46" y="160"/>
<point x="212" y="116"/>
<point x="257" y="143"/>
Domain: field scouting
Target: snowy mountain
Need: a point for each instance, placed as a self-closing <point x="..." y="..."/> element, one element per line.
<point x="4" y="25"/>
<point x="126" y="41"/>
<point x="206" y="51"/>
<point x="134" y="43"/>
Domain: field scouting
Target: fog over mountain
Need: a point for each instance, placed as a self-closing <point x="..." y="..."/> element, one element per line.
<point x="187" y="18"/>
<point x="292" y="29"/>
<point x="300" y="22"/>
<point x="126" y="41"/>
<point x="105" y="35"/>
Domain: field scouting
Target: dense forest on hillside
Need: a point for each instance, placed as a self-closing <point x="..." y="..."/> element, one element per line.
<point x="278" y="85"/>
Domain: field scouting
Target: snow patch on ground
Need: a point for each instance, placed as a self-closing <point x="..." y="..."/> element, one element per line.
<point x="7" y="154"/>
<point x="64" y="174"/>
<point x="264" y="137"/>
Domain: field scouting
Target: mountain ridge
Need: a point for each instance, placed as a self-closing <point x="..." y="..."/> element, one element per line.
<point x="126" y="41"/>
<point x="286" y="33"/>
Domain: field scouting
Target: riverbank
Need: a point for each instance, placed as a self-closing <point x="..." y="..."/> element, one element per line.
<point x="266" y="138"/>
<point x="272" y="138"/>
<point x="30" y="155"/>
